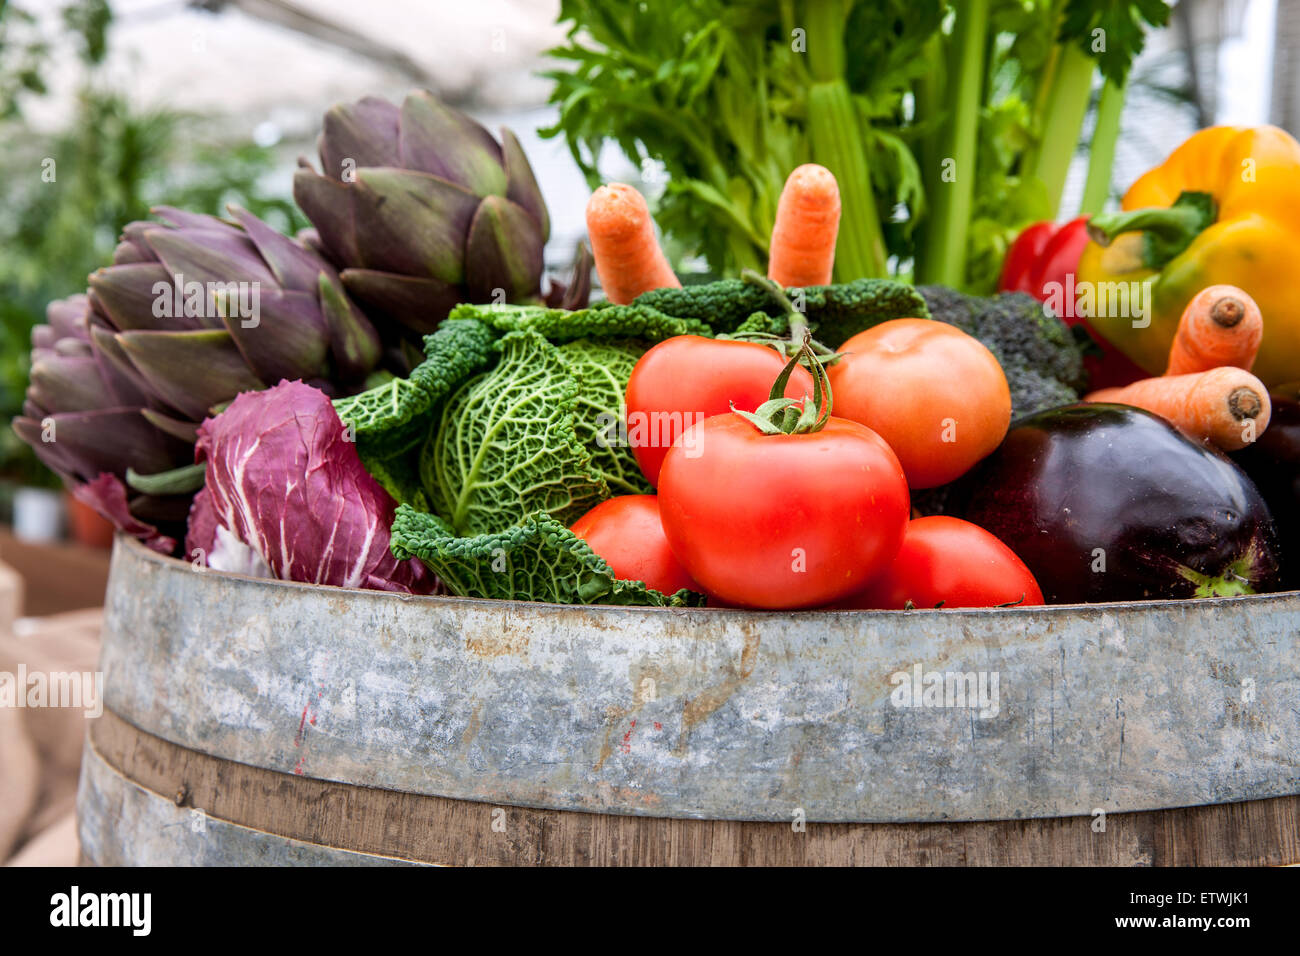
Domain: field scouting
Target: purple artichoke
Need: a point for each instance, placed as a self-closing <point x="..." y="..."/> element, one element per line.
<point x="191" y="313"/>
<point x="421" y="208"/>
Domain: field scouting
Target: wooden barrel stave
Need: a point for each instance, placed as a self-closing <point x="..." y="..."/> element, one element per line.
<point x="121" y="822"/>
<point x="253" y="816"/>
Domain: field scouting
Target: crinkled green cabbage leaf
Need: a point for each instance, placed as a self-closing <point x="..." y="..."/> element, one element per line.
<point x="538" y="559"/>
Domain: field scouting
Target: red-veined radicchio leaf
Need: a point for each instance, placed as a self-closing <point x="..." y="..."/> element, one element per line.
<point x="287" y="496"/>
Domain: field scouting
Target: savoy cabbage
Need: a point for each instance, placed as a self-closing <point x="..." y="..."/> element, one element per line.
<point x="496" y="443"/>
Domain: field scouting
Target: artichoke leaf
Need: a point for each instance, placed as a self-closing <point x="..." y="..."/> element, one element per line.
<point x="142" y="295"/>
<point x="522" y="185"/>
<point x="353" y="340"/>
<point x="359" y="134"/>
<point x="504" y="252"/>
<point x="191" y="371"/>
<point x="418" y="304"/>
<point x="328" y="204"/>
<point x="437" y="139"/>
<point x="286" y="338"/>
<point x="66" y="383"/>
<point x="210" y="256"/>
<point x="412" y="222"/>
<point x="294" y="267"/>
<point x="91" y="442"/>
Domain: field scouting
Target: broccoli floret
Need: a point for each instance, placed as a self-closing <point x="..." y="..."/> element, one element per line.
<point x="1032" y="391"/>
<point x="1042" y="361"/>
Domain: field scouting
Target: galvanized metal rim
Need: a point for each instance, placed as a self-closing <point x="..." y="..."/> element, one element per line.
<point x="145" y="553"/>
<point x="532" y="724"/>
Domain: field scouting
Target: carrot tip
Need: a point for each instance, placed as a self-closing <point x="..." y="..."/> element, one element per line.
<point x="1227" y="311"/>
<point x="1244" y="403"/>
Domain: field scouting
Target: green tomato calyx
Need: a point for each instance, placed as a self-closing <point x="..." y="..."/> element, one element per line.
<point x="791" y="416"/>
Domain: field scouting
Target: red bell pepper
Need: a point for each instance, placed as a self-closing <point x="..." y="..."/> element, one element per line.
<point x="1044" y="253"/>
<point x="1042" y="262"/>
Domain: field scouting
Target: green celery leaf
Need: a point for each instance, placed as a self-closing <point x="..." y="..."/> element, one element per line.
<point x="1119" y="25"/>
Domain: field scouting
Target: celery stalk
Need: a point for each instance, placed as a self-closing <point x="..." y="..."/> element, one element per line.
<point x="1101" y="156"/>
<point x="942" y="258"/>
<point x="1067" y="105"/>
<point x="838" y="144"/>
<point x="931" y="94"/>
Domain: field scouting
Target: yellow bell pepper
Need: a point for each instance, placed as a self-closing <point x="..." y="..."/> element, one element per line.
<point x="1223" y="208"/>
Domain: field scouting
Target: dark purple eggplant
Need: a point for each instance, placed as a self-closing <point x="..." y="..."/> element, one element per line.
<point x="1273" y="463"/>
<point x="1111" y="503"/>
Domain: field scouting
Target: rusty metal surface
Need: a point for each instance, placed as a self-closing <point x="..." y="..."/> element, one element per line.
<point x="712" y="713"/>
<point x="120" y="823"/>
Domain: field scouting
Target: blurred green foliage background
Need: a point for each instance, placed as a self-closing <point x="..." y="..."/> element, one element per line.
<point x="68" y="192"/>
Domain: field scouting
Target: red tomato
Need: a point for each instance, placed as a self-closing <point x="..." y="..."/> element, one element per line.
<point x="782" y="521"/>
<point x="627" y="533"/>
<point x="688" y="378"/>
<point x="936" y="394"/>
<point x="950" y="561"/>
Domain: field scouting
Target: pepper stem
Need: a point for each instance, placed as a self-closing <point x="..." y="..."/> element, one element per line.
<point x="1168" y="231"/>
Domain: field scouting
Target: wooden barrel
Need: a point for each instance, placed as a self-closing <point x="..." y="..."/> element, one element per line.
<point x="254" y="721"/>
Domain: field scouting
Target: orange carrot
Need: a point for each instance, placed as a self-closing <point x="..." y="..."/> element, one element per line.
<point x="802" y="251"/>
<point x="1220" y="326"/>
<point x="1227" y="406"/>
<point x="628" y="258"/>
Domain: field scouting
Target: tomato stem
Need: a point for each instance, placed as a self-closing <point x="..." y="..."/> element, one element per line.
<point x="791" y="416"/>
<point x="795" y="319"/>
